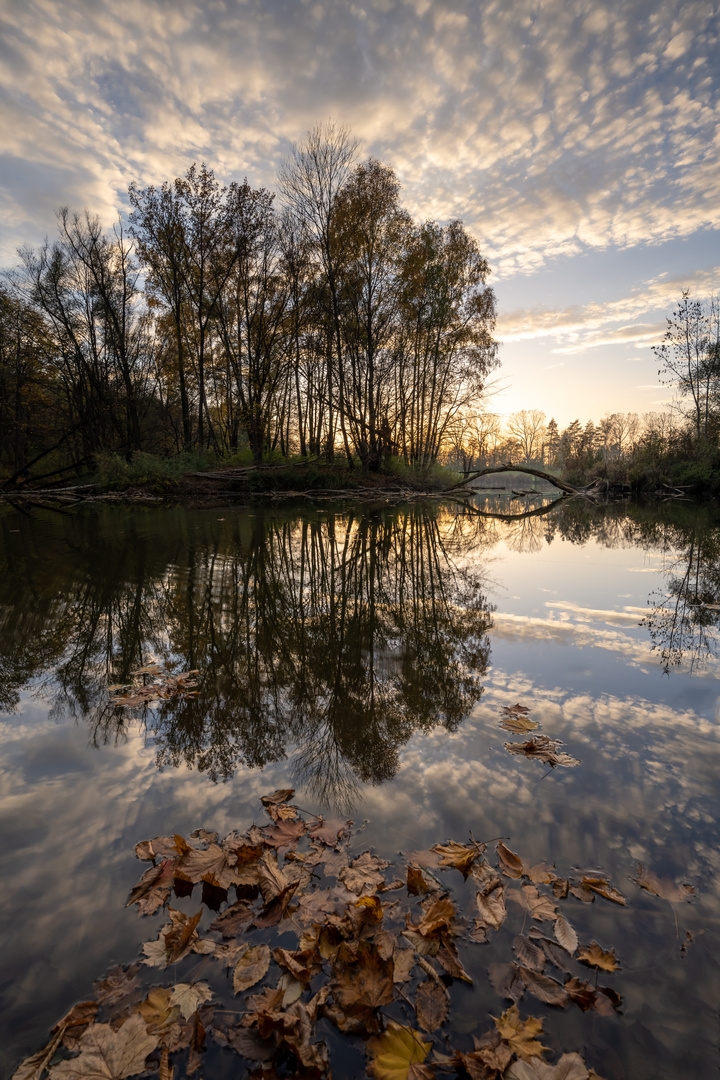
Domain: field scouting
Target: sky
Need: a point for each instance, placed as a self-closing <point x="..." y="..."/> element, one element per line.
<point x="578" y="141"/>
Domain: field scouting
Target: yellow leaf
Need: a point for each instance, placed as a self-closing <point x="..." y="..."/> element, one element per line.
<point x="393" y="1052"/>
<point x="520" y="1035"/>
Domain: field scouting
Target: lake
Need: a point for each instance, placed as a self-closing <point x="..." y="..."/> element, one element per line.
<point x="363" y="656"/>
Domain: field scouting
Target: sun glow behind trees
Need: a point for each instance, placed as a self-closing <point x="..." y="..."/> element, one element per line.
<point x="331" y="322"/>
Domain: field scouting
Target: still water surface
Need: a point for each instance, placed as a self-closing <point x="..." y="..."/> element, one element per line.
<point x="363" y="657"/>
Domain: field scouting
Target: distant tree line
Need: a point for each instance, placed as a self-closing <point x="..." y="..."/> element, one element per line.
<point x="683" y="440"/>
<point x="221" y="318"/>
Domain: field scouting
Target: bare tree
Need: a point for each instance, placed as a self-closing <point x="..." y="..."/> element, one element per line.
<point x="309" y="182"/>
<point x="690" y="358"/>
<point x="527" y="427"/>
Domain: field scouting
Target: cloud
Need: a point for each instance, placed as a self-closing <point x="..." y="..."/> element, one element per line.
<point x="549" y="131"/>
<point x="592" y="325"/>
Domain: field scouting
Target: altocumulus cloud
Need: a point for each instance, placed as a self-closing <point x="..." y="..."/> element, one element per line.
<point x="547" y="128"/>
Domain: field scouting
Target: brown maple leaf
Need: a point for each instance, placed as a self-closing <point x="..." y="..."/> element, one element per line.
<point x="362" y="981"/>
<point x="520" y="1035"/>
<point x="364" y="873"/>
<point x="594" y="956"/>
<point x="109" y="1054"/>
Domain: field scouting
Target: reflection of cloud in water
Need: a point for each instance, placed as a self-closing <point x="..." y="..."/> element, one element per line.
<point x="628" y="616"/>
<point x="564" y="631"/>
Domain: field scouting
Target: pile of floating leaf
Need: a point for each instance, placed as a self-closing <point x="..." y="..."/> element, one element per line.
<point x="161" y="687"/>
<point x="540" y="747"/>
<point x="373" y="959"/>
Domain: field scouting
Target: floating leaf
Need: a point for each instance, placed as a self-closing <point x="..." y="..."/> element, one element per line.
<point x="540" y="906"/>
<point x="569" y="1067"/>
<point x="512" y="864"/>
<point x="393" y="1052"/>
<point x="364" y="874"/>
<point x="543" y="749"/>
<point x="106" y="1054"/>
<point x="190" y="996"/>
<point x="520" y="1035"/>
<point x="431" y="1004"/>
<point x="460" y="856"/>
<point x="597" y="957"/>
<point x="251" y="967"/>
<point x="604" y="888"/>
<point x="663" y="887"/>
<point x="565" y="934"/>
<point x="543" y="987"/>
<point x="416" y="883"/>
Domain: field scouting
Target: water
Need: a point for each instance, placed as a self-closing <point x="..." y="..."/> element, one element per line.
<point x="363" y="657"/>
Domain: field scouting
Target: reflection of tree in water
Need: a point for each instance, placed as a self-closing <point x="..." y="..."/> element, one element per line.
<point x="337" y="635"/>
<point x="682" y="628"/>
<point x="342" y="636"/>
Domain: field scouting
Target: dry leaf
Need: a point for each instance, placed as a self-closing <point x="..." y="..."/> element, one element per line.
<point x="364" y="981"/>
<point x="251" y="967"/>
<point x="431" y="1004"/>
<point x="604" y="888"/>
<point x="364" y="874"/>
<point x="663" y="887"/>
<point x="117" y="984"/>
<point x="392" y="1053"/>
<point x="106" y="1054"/>
<point x="597" y="957"/>
<point x="543" y="987"/>
<point x="520" y="1035"/>
<point x="543" y="749"/>
<point x="460" y="856"/>
<point x="528" y="953"/>
<point x="416" y="883"/>
<point x="565" y="934"/>
<point x="190" y="996"/>
<point x="569" y="1067"/>
<point x="512" y="864"/>
<point x="540" y="906"/>
<point x="280" y="796"/>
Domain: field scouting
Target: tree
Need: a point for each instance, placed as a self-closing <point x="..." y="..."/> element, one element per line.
<point x="445" y="346"/>
<point x="690" y="359"/>
<point x="372" y="229"/>
<point x="309" y="182"/>
<point x="527" y="427"/>
<point x="552" y="441"/>
<point x="86" y="288"/>
<point x="251" y="310"/>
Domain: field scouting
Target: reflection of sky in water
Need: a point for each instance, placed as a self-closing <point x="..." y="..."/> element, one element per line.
<point x="567" y="643"/>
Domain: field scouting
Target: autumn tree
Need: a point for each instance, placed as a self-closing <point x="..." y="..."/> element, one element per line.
<point x="445" y="344"/>
<point x="372" y="229"/>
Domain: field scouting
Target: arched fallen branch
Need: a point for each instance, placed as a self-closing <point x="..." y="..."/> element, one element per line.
<point x="559" y="484"/>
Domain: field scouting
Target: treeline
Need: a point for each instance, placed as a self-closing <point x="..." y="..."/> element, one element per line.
<point x="223" y="318"/>
<point x="681" y="443"/>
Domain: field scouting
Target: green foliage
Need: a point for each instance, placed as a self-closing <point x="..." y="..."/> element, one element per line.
<point x="434" y="475"/>
<point x="117" y="473"/>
